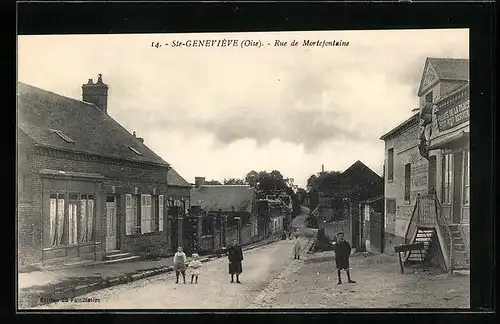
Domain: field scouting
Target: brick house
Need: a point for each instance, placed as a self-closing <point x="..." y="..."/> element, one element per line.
<point x="87" y="188"/>
<point x="427" y="159"/>
<point x="225" y="212"/>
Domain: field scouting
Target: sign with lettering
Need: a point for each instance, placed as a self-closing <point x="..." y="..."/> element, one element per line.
<point x="453" y="115"/>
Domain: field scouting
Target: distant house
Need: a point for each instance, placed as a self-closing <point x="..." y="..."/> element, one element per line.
<point x="226" y="212"/>
<point x="338" y="199"/>
<point x="87" y="188"/>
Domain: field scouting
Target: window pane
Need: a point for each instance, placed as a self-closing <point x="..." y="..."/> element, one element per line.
<point x="60" y="219"/>
<point x="53" y="220"/>
<point x="160" y="213"/>
<point x="72" y="223"/>
<point x="83" y="222"/>
<point x="90" y="218"/>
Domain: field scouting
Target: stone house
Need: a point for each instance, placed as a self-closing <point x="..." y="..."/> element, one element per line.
<point x="87" y="188"/>
<point x="427" y="160"/>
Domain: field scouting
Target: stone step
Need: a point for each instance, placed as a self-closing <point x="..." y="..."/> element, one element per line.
<point x="113" y="252"/>
<point x="131" y="258"/>
<point x="118" y="256"/>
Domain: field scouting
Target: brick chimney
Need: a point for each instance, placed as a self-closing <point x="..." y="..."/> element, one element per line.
<point x="96" y="93"/>
<point x="199" y="181"/>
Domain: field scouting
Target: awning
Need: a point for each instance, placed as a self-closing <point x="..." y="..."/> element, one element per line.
<point x="456" y="141"/>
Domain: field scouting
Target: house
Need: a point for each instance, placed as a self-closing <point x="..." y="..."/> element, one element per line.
<point x="224" y="212"/>
<point x="178" y="205"/>
<point x="338" y="197"/>
<point x="87" y="188"/>
<point x="427" y="157"/>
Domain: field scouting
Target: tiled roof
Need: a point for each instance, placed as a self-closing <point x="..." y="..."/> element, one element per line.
<point x="224" y="197"/>
<point x="83" y="127"/>
<point x="450" y="68"/>
<point x="174" y="179"/>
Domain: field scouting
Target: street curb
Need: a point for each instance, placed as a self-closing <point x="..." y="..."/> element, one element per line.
<point x="73" y="292"/>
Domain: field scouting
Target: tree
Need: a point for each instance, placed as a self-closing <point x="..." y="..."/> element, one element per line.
<point x="213" y="182"/>
<point x="251" y="178"/>
<point x="233" y="181"/>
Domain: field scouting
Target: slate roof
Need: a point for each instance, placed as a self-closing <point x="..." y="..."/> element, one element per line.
<point x="450" y="68"/>
<point x="447" y="69"/>
<point x="174" y="179"/>
<point x="413" y="120"/>
<point x="225" y="197"/>
<point x="92" y="130"/>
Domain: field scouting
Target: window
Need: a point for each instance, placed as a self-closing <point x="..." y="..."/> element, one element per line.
<point x="428" y="97"/>
<point x="161" y="213"/>
<point x="407" y="181"/>
<point x="73" y="219"/>
<point x="390" y="164"/>
<point x="65" y="137"/>
<point x="391" y="206"/>
<point x="135" y="150"/>
<point x="130" y="214"/>
<point x="146" y="214"/>
<point x="447" y="178"/>
<point x="87" y="218"/>
<point x="207" y="225"/>
<point x="466" y="177"/>
<point x="56" y="216"/>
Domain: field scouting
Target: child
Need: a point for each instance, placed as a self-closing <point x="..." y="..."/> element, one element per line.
<point x="342" y="250"/>
<point x="180" y="264"/>
<point x="196" y="265"/>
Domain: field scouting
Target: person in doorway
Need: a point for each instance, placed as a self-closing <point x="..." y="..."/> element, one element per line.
<point x="196" y="266"/>
<point x="296" y="247"/>
<point x="180" y="264"/>
<point x="235" y="256"/>
<point x="342" y="250"/>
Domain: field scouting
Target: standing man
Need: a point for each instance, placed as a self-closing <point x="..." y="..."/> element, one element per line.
<point x="342" y="250"/>
<point x="235" y="256"/>
<point x="296" y="247"/>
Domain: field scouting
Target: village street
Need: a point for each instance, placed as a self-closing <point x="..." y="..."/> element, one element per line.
<point x="260" y="267"/>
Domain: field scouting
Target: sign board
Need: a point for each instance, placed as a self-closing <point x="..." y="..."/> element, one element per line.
<point x="452" y="115"/>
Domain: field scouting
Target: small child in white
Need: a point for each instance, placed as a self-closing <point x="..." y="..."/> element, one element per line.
<point x="196" y="266"/>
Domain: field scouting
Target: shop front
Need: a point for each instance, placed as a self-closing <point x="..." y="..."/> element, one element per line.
<point x="450" y="176"/>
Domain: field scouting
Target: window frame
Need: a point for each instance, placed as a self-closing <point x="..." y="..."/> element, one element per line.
<point x="466" y="175"/>
<point x="390" y="164"/>
<point x="407" y="182"/>
<point x="447" y="179"/>
<point x="146" y="214"/>
<point x="131" y="214"/>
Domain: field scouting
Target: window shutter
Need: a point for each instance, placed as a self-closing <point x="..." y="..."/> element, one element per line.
<point x="160" y="213"/>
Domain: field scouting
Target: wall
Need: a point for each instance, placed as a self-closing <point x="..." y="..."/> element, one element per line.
<point x="124" y="179"/>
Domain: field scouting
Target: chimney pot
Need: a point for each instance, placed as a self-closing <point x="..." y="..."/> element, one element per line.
<point x="91" y="81"/>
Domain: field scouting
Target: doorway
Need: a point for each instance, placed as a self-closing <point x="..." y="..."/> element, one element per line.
<point x="111" y="223"/>
<point x="432" y="174"/>
<point x="457" y="184"/>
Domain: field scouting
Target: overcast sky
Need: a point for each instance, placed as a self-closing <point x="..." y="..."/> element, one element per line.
<point x="221" y="112"/>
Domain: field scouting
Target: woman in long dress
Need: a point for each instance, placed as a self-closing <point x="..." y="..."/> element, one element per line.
<point x="235" y="256"/>
<point x="180" y="264"/>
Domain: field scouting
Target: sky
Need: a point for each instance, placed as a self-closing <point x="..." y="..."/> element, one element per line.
<point x="219" y="112"/>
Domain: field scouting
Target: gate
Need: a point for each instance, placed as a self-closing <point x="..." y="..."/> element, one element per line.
<point x="376" y="231"/>
<point x="174" y="234"/>
<point x="190" y="234"/>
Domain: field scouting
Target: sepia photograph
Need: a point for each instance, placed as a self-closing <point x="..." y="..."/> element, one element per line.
<point x="243" y="170"/>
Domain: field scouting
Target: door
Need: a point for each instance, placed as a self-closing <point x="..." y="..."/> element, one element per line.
<point x="457" y="184"/>
<point x="174" y="234"/>
<point x="432" y="174"/>
<point x="111" y="223"/>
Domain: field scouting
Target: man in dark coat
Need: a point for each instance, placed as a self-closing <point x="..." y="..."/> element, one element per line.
<point x="342" y="250"/>
<point x="235" y="256"/>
